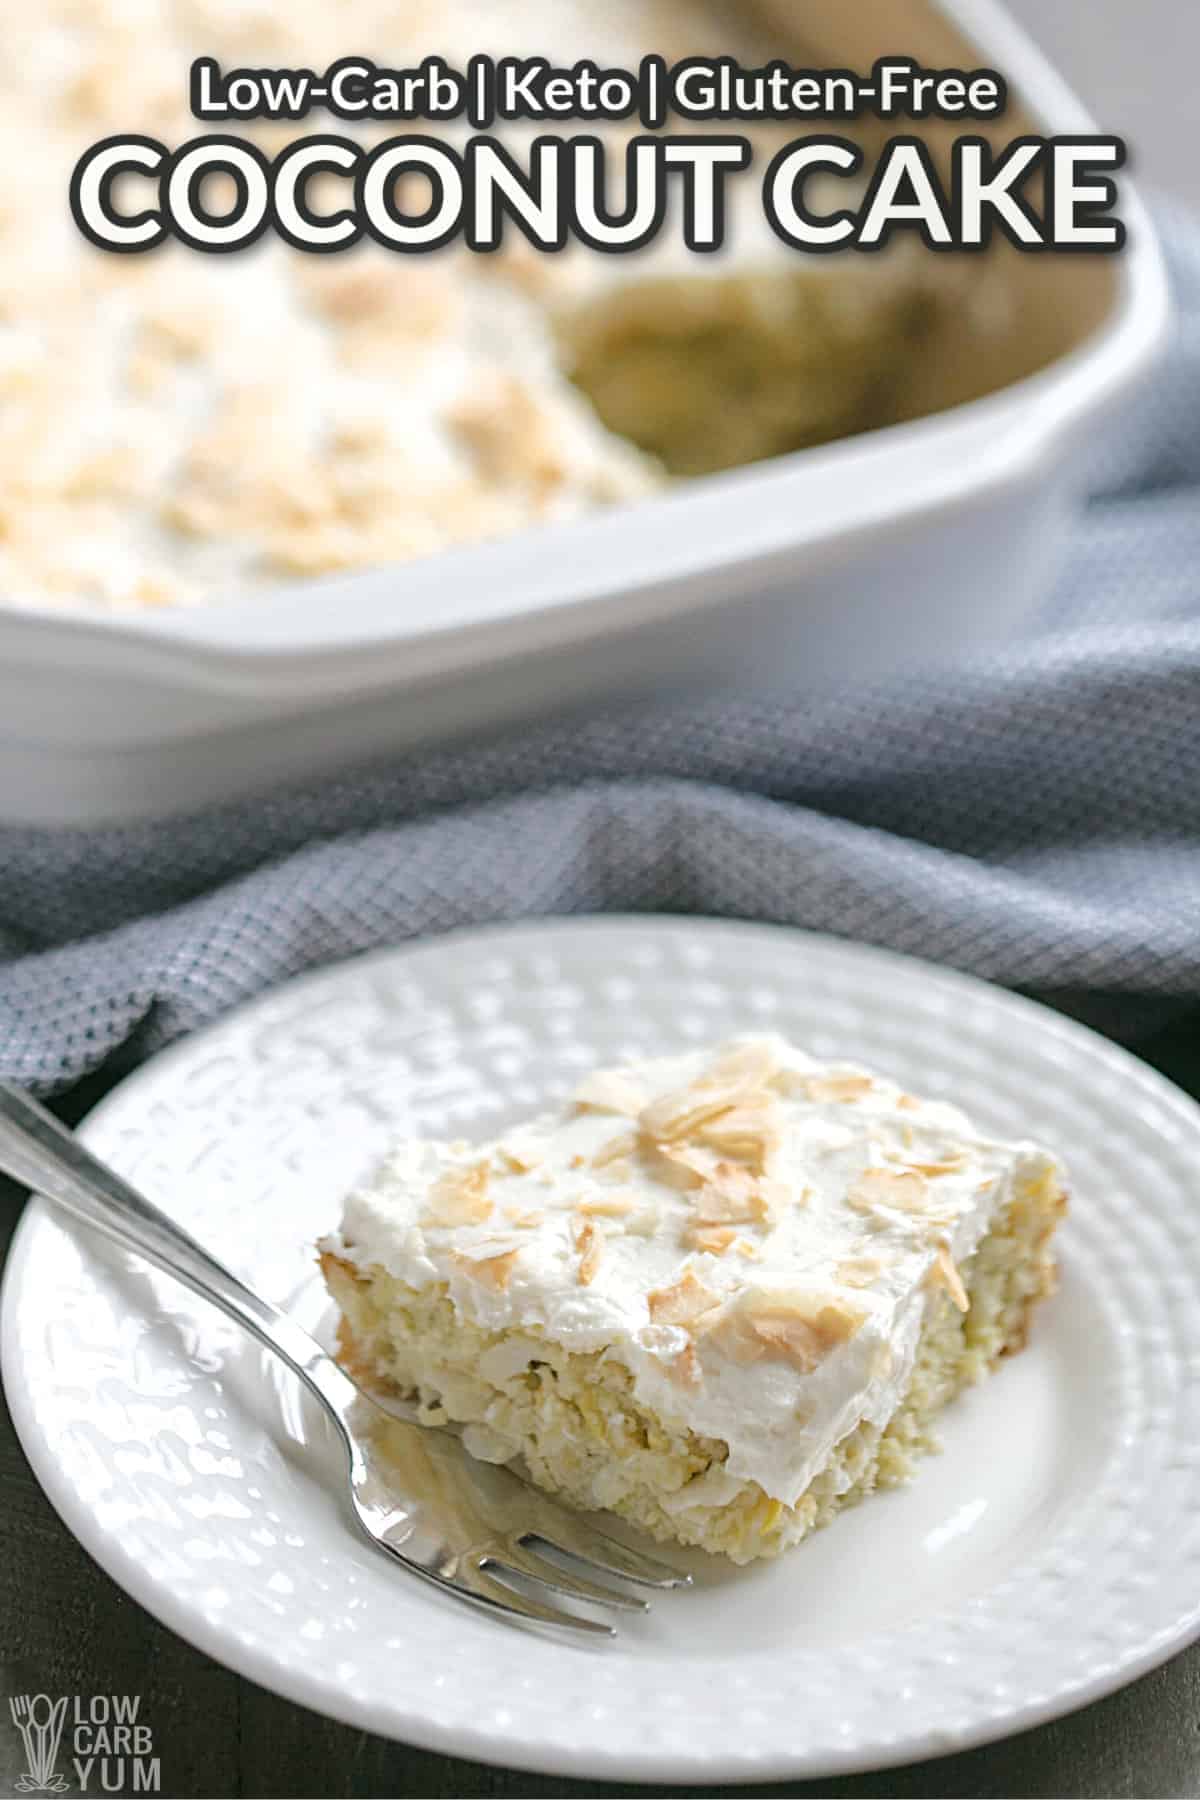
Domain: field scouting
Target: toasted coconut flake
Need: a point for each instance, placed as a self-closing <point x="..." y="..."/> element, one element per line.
<point x="715" y="1239"/>
<point x="943" y="1272"/>
<point x="950" y="1165"/>
<point x="460" y="1196"/>
<point x="685" y="1367"/>
<point x="590" y="1246"/>
<point x="524" y="1221"/>
<point x="731" y="1195"/>
<point x="730" y="1333"/>
<point x="907" y="1103"/>
<point x="734" y="1195"/>
<point x="730" y="1107"/>
<point x="607" y="1206"/>
<point x="842" y="1090"/>
<point x="806" y="1341"/>
<point x="617" y="1149"/>
<point x="610" y="1091"/>
<point x="678" y="1166"/>
<point x="901" y="1190"/>
<point x="743" y="1066"/>
<point x="679" y="1115"/>
<point x="684" y="1301"/>
<point x="859" y="1271"/>
<point x="516" y="1162"/>
<point x="783" y="1326"/>
<point x="749" y="1130"/>
<point x="490" y="1271"/>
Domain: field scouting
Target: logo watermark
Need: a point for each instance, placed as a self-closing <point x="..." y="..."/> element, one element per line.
<point x="40" y="1723"/>
<point x="98" y="1740"/>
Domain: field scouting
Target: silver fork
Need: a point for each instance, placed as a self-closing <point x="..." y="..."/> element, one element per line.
<point x="473" y="1529"/>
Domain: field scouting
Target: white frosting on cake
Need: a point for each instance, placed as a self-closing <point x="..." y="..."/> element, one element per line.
<point x="860" y="1255"/>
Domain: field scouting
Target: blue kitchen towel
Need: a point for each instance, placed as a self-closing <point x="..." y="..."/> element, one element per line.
<point x="1031" y="815"/>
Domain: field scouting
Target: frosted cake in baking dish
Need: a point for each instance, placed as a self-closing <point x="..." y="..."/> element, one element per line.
<point x="182" y="428"/>
<point x="722" y="1294"/>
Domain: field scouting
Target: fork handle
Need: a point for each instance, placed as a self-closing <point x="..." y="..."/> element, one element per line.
<point x="40" y="1153"/>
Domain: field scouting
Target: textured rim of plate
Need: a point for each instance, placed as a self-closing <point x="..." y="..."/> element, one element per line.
<point x="988" y="1709"/>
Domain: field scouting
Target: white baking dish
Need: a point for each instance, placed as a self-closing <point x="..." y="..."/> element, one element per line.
<point x="829" y="566"/>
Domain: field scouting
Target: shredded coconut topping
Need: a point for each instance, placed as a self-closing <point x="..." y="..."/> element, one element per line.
<point x="686" y="1300"/>
<point x="769" y="1300"/>
<point x="460" y="1197"/>
<point x="590" y="1246"/>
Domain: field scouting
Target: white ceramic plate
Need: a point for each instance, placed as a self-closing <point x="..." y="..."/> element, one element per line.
<point x="1052" y="1552"/>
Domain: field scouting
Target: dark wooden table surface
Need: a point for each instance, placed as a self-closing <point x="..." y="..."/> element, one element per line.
<point x="66" y="1629"/>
